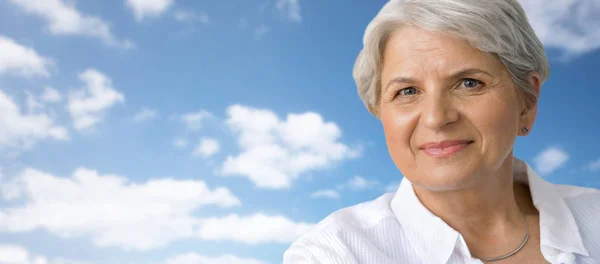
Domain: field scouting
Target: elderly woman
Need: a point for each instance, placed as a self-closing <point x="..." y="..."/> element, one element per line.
<point x="454" y="82"/>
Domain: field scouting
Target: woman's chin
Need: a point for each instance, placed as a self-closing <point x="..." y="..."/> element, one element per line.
<point x="446" y="177"/>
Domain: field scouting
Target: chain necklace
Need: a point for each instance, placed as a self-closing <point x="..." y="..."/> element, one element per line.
<point x="515" y="250"/>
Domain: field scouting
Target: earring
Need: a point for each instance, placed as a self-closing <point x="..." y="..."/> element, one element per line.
<point x="525" y="130"/>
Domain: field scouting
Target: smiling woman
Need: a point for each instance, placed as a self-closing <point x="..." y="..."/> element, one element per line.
<point x="454" y="83"/>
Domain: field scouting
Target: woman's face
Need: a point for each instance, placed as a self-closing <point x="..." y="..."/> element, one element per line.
<point x="450" y="112"/>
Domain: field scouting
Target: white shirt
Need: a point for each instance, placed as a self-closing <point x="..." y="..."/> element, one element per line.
<point x="397" y="228"/>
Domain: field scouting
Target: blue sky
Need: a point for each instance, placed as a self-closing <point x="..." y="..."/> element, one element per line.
<point x="172" y="131"/>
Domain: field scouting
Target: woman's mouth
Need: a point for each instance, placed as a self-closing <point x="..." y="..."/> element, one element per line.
<point x="444" y="149"/>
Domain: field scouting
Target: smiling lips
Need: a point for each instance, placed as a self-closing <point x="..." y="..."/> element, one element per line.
<point x="444" y="149"/>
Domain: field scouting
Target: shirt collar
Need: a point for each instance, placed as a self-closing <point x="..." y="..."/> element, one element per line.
<point x="434" y="240"/>
<point x="431" y="237"/>
<point x="558" y="228"/>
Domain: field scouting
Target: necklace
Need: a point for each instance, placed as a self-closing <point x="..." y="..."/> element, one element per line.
<point x="516" y="249"/>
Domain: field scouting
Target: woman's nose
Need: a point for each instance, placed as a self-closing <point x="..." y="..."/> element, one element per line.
<point x="438" y="111"/>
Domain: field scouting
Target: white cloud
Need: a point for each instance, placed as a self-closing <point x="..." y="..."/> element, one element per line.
<point x="329" y="193"/>
<point x="274" y="152"/>
<point x="360" y="183"/>
<point x="194" y="120"/>
<point x="51" y="95"/>
<point x="573" y="25"/>
<point x="145" y="114"/>
<point x="392" y="187"/>
<point x="254" y="229"/>
<point x="183" y="15"/>
<point x="180" y="143"/>
<point x="289" y="9"/>
<point x="9" y="190"/>
<point x="20" y="60"/>
<point x="261" y="31"/>
<point x="148" y="8"/>
<point x="550" y="160"/>
<point x="33" y="105"/>
<point x="64" y="19"/>
<point x="193" y="258"/>
<point x="88" y="105"/>
<point x="594" y="166"/>
<point x="108" y="208"/>
<point x="207" y="147"/>
<point x="191" y="17"/>
<point x="23" y="130"/>
<point x="15" y="254"/>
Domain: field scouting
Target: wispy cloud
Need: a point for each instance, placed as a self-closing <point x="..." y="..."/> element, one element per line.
<point x="89" y="104"/>
<point x="180" y="143"/>
<point x="594" y="166"/>
<point x="357" y="183"/>
<point x="32" y="103"/>
<point x="20" y="60"/>
<point x="194" y="258"/>
<point x="191" y="17"/>
<point x="23" y="130"/>
<point x="392" y="187"/>
<point x="289" y="9"/>
<point x="207" y="147"/>
<point x="148" y="8"/>
<point x="550" y="160"/>
<point x="110" y="209"/>
<point x="51" y="95"/>
<point x="63" y="18"/>
<point x="274" y="152"/>
<point x="194" y="120"/>
<point x="145" y="114"/>
<point x="360" y="183"/>
<point x="328" y="193"/>
<point x="261" y="31"/>
<point x="113" y="211"/>
<point x="15" y="254"/>
<point x="265" y="229"/>
<point x="572" y="26"/>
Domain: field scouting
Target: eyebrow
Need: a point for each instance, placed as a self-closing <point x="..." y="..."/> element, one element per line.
<point x="454" y="76"/>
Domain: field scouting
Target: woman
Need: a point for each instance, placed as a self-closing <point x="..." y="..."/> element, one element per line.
<point x="454" y="82"/>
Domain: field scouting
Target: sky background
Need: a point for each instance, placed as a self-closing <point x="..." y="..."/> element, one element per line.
<point x="172" y="131"/>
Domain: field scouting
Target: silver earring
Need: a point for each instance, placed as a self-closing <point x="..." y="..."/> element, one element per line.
<point x="525" y="130"/>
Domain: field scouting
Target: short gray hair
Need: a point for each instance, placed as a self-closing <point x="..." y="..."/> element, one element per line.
<point x="497" y="27"/>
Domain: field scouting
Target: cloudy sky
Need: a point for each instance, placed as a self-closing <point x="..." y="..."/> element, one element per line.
<point x="172" y="131"/>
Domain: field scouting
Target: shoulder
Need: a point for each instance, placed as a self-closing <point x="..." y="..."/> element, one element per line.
<point x="584" y="204"/>
<point x="334" y="239"/>
<point x="582" y="201"/>
<point x="355" y="218"/>
<point x="569" y="192"/>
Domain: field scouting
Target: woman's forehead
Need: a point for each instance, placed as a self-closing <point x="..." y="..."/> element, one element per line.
<point x="412" y="49"/>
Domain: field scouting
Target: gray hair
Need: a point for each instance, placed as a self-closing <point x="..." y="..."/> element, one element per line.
<point x="497" y="27"/>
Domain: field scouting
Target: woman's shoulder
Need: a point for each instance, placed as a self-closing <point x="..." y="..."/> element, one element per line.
<point x="356" y="217"/>
<point x="584" y="204"/>
<point x="573" y="193"/>
<point x="336" y="235"/>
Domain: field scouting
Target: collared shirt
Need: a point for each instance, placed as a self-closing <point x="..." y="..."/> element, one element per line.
<point x="397" y="228"/>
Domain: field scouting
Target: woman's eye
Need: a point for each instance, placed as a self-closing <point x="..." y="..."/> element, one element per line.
<point x="407" y="91"/>
<point x="471" y="83"/>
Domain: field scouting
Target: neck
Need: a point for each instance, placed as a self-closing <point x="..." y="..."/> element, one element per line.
<point x="486" y="214"/>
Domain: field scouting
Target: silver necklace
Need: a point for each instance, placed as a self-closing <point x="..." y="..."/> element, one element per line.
<point x="516" y="249"/>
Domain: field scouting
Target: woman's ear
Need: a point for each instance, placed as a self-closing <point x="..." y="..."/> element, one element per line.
<point x="529" y="111"/>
